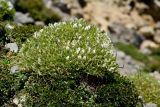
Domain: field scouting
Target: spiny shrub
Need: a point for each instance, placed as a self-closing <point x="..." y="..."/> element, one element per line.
<point x="72" y="64"/>
<point x="148" y="87"/>
<point x="37" y="10"/>
<point x="6" y="10"/>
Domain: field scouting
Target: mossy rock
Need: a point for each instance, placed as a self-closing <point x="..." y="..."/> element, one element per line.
<point x="71" y="64"/>
<point x="37" y="10"/>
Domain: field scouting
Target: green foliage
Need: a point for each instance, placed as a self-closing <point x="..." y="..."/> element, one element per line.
<point x="6" y="82"/>
<point x="117" y="92"/>
<point x="148" y="87"/>
<point x="71" y="64"/>
<point x="2" y="34"/>
<point x="37" y="10"/>
<point x="6" y="12"/>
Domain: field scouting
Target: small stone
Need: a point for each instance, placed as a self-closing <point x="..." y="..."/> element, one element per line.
<point x="150" y="105"/>
<point x="156" y="75"/>
<point x="14" y="69"/>
<point x="147" y="31"/>
<point x="146" y="51"/>
<point x="39" y="23"/>
<point x="15" y="101"/>
<point x="12" y="46"/>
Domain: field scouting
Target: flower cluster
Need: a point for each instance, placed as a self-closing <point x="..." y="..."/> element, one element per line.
<point x="66" y="45"/>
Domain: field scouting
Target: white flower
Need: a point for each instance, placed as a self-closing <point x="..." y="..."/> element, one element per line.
<point x="79" y="37"/>
<point x="104" y="45"/>
<point x="41" y="31"/>
<point x="94" y="51"/>
<point x="15" y="101"/>
<point x="89" y="49"/>
<point x="9" y="26"/>
<point x="80" y="25"/>
<point x="35" y="35"/>
<point x="55" y="24"/>
<point x="84" y="57"/>
<point x="83" y="50"/>
<point x="111" y="69"/>
<point x="139" y="97"/>
<point x="58" y="40"/>
<point x="79" y="57"/>
<point x="20" y="105"/>
<point x="87" y="27"/>
<point x="10" y="5"/>
<point x="75" y="25"/>
<point x="67" y="58"/>
<point x="67" y="47"/>
<point x="78" y="50"/>
<point x="64" y="23"/>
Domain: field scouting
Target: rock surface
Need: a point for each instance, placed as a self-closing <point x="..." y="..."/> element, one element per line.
<point x="12" y="46"/>
<point x="127" y="65"/>
<point x="23" y="18"/>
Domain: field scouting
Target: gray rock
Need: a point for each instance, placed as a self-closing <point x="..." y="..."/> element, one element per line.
<point x="157" y="26"/>
<point x="127" y="65"/>
<point x="145" y="51"/>
<point x="12" y="46"/>
<point x="119" y="33"/>
<point x="23" y="18"/>
<point x="39" y="23"/>
<point x="14" y="69"/>
<point x="150" y="105"/>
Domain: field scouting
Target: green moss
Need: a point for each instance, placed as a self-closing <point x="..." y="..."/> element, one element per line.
<point x="2" y="33"/>
<point x="6" y="82"/>
<point x="71" y="64"/>
<point x="148" y="87"/>
<point x="6" y="12"/>
<point x="37" y="10"/>
<point x="121" y="89"/>
<point x="20" y="34"/>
